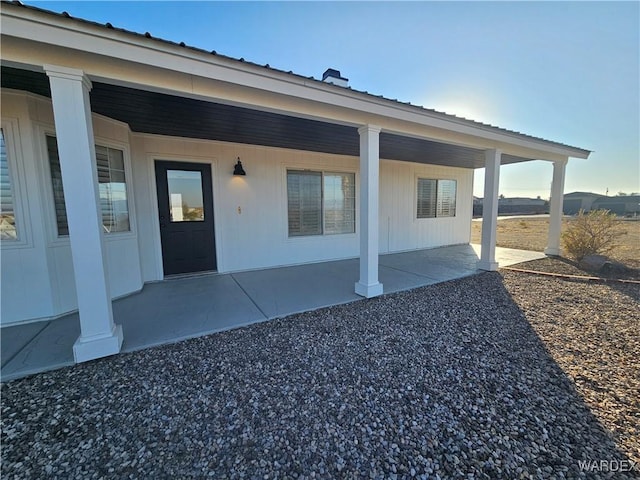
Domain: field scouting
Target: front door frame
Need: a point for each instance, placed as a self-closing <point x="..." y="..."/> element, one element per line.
<point x="155" y="220"/>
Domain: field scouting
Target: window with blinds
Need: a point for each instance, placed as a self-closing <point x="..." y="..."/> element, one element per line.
<point x="320" y="203"/>
<point x="304" y="197"/>
<point x="436" y="198"/>
<point x="56" y="185"/>
<point x="446" y="198"/>
<point x="112" y="188"/>
<point x="426" y="198"/>
<point x="8" y="230"/>
<point x="339" y="203"/>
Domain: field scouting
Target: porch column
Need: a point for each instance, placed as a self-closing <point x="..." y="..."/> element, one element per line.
<point x="555" y="208"/>
<point x="368" y="286"/>
<point x="490" y="210"/>
<point x="99" y="335"/>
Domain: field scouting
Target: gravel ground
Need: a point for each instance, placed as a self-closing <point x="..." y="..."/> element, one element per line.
<point x="566" y="266"/>
<point x="592" y="331"/>
<point x="446" y="381"/>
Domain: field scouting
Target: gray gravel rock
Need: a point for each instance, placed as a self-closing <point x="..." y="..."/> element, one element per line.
<point x="592" y="331"/>
<point x="446" y="381"/>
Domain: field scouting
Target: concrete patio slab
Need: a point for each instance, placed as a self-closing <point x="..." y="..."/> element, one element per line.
<point x="286" y="290"/>
<point x="434" y="265"/>
<point x="14" y="339"/>
<point x="510" y="256"/>
<point x="397" y="280"/>
<point x="51" y="348"/>
<point x="178" y="309"/>
<point x="181" y="308"/>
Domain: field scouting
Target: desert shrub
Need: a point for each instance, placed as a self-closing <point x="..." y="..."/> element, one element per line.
<point x="591" y="233"/>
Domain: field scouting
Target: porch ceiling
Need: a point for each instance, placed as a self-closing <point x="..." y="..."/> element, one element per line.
<point x="163" y="114"/>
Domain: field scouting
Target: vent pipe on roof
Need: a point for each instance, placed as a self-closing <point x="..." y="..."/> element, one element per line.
<point x="333" y="76"/>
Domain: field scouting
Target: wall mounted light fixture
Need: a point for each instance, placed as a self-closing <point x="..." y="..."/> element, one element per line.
<point x="238" y="170"/>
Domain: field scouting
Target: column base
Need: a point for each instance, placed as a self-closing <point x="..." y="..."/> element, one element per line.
<point x="86" y="349"/>
<point x="369" y="291"/>
<point x="488" y="266"/>
<point x="552" y="252"/>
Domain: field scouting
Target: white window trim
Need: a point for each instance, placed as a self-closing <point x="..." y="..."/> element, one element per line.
<point x="322" y="168"/>
<point x="50" y="215"/>
<point x="15" y="162"/>
<point x="427" y="176"/>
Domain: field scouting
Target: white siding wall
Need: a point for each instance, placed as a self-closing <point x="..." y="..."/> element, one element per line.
<point x="37" y="276"/>
<point x="251" y="211"/>
<point x="400" y="230"/>
<point x="25" y="287"/>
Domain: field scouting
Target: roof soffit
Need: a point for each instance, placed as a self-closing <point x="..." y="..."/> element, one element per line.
<point x="184" y="71"/>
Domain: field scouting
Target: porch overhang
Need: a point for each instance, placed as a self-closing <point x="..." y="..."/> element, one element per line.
<point x="164" y="114"/>
<point x="160" y="72"/>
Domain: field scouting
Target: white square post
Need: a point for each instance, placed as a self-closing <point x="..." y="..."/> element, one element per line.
<point x="368" y="286"/>
<point x="99" y="335"/>
<point x="490" y="210"/>
<point x="555" y="208"/>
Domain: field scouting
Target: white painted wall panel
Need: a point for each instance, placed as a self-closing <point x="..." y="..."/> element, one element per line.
<point x="26" y="290"/>
<point x="123" y="264"/>
<point x="143" y="181"/>
<point x="63" y="286"/>
<point x="251" y="212"/>
<point x="37" y="278"/>
<point x="25" y="283"/>
<point x="123" y="261"/>
<point x="398" y="199"/>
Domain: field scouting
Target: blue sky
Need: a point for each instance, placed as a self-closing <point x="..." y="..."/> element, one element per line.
<point x="564" y="71"/>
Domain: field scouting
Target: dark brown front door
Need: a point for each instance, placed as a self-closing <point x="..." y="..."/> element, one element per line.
<point x="185" y="206"/>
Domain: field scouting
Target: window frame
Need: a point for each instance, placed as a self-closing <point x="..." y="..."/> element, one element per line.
<point x="17" y="179"/>
<point x="52" y="223"/>
<point x="317" y="169"/>
<point x="127" y="179"/>
<point x="437" y="181"/>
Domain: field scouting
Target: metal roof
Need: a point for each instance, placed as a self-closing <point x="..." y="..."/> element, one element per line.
<point x="419" y="108"/>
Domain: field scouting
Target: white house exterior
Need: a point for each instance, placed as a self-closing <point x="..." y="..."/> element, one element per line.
<point x="118" y="160"/>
